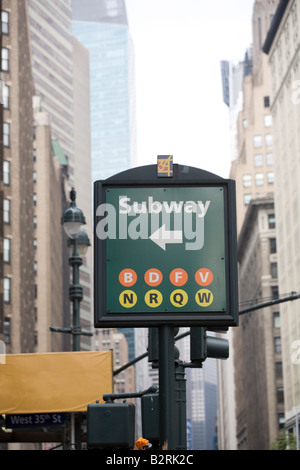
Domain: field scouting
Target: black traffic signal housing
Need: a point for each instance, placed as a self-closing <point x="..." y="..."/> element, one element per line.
<point x="110" y="425"/>
<point x="203" y="346"/>
<point x="153" y="341"/>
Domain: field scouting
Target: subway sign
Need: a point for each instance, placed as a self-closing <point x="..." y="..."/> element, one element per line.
<point x="165" y="249"/>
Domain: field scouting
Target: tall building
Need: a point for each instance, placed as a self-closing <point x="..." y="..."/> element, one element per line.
<point x="2" y="346"/>
<point x="257" y="343"/>
<point x="17" y="310"/>
<point x="102" y="27"/>
<point x="232" y="73"/>
<point x="48" y="235"/>
<point x="52" y="67"/>
<point x="254" y="175"/>
<point x="60" y="68"/>
<point x="282" y="48"/>
<point x="253" y="170"/>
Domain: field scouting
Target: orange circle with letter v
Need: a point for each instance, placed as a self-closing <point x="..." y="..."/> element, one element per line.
<point x="204" y="277"/>
<point x="127" y="277"/>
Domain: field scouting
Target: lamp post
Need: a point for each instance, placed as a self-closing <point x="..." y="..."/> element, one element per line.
<point x="78" y="242"/>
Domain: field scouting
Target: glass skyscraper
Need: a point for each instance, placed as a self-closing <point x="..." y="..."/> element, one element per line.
<point x="102" y="27"/>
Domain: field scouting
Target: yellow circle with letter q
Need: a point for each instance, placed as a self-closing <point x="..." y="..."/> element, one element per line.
<point x="179" y="298"/>
<point x="153" y="298"/>
<point x="128" y="298"/>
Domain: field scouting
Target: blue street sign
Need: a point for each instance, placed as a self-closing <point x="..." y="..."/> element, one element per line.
<point x="37" y="419"/>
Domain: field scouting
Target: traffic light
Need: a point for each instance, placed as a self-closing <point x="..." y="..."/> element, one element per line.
<point x="203" y="346"/>
<point x="153" y="354"/>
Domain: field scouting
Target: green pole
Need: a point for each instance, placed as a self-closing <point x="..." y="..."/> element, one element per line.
<point x="180" y="383"/>
<point x="167" y="414"/>
<point x="76" y="295"/>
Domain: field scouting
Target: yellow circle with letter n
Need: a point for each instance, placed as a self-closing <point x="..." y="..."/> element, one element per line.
<point x="128" y="298"/>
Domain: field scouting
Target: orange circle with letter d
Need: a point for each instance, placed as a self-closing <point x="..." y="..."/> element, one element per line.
<point x="153" y="277"/>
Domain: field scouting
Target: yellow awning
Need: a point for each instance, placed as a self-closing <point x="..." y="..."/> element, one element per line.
<point x="54" y="382"/>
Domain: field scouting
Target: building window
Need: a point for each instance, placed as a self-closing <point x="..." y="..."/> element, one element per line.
<point x="6" y="289"/>
<point x="247" y="199"/>
<point x="280" y="395"/>
<point x="245" y="123"/>
<point x="257" y="141"/>
<point x="266" y="101"/>
<point x="6" y="173"/>
<point x="274" y="273"/>
<point x="259" y="179"/>
<point x="278" y="370"/>
<point x="6" y="211"/>
<point x="5" y="22"/>
<point x="270" y="159"/>
<point x="281" y="421"/>
<point x="268" y="120"/>
<point x="271" y="221"/>
<point x="273" y="248"/>
<point x="247" y="181"/>
<point x="270" y="177"/>
<point x="6" y="134"/>
<point x="269" y="140"/>
<point x="6" y="330"/>
<point x="275" y="292"/>
<point x="5" y="59"/>
<point x="258" y="159"/>
<point x="277" y="345"/>
<point x="5" y="96"/>
<point x="6" y="250"/>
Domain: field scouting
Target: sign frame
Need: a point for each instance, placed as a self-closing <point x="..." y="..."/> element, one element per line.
<point x="183" y="177"/>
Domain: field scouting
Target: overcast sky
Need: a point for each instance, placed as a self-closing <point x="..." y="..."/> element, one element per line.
<point x="178" y="48"/>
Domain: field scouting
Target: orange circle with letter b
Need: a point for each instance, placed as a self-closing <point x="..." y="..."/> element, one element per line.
<point x="127" y="277"/>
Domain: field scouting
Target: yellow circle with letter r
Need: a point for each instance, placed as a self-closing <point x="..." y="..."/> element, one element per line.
<point x="153" y="298"/>
<point x="128" y="298"/>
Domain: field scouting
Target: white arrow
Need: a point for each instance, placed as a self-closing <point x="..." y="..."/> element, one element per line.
<point x="162" y="236"/>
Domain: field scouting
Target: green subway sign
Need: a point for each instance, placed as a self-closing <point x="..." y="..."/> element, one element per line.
<point x="165" y="250"/>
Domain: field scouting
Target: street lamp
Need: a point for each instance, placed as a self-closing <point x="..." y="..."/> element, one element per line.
<point x="78" y="243"/>
<point x="73" y="218"/>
